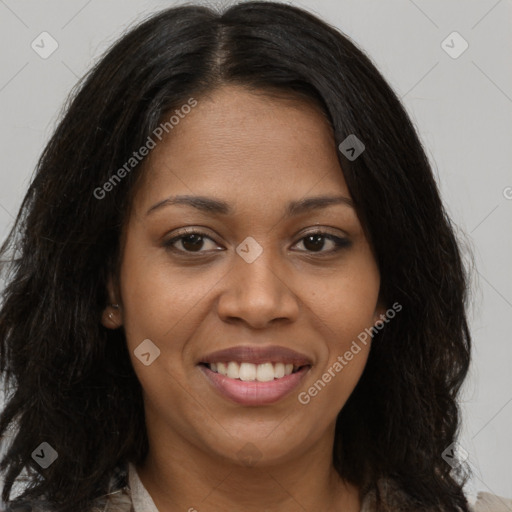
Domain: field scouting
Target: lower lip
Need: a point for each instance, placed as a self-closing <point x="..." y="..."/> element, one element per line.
<point x="254" y="392"/>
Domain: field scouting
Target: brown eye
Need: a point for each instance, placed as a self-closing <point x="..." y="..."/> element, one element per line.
<point x="194" y="242"/>
<point x="191" y="242"/>
<point x="315" y="242"/>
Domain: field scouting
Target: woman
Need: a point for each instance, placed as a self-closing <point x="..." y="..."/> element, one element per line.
<point x="236" y="286"/>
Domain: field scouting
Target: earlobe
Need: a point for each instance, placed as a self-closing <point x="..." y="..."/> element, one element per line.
<point x="111" y="317"/>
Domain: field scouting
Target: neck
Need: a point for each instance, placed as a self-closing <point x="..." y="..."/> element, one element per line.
<point x="179" y="477"/>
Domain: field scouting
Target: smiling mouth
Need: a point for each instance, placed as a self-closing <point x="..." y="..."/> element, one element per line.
<point x="250" y="372"/>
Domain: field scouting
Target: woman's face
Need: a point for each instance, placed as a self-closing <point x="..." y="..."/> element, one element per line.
<point x="255" y="281"/>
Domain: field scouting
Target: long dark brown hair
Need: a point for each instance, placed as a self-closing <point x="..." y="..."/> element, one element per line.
<point x="69" y="381"/>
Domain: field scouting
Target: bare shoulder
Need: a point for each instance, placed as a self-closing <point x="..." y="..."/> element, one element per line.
<point x="487" y="502"/>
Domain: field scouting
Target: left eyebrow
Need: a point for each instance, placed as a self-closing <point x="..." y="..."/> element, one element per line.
<point x="219" y="207"/>
<point x="315" y="203"/>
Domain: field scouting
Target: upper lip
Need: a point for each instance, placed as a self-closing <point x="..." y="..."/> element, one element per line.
<point x="258" y="355"/>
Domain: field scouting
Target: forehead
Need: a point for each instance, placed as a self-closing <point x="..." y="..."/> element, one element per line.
<point x="237" y="142"/>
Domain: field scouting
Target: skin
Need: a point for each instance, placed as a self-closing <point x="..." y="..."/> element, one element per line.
<point x="256" y="153"/>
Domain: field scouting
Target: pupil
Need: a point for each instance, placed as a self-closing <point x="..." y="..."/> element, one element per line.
<point x="195" y="244"/>
<point x="316" y="245"/>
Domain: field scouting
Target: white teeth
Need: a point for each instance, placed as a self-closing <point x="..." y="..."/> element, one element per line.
<point x="248" y="372"/>
<point x="278" y="370"/>
<point x="233" y="370"/>
<point x="264" y="372"/>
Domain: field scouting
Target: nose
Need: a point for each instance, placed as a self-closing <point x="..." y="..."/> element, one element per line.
<point x="258" y="293"/>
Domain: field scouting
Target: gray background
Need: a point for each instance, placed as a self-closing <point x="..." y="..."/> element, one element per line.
<point x="461" y="106"/>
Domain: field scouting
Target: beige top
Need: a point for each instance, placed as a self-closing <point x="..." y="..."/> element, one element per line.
<point x="142" y="501"/>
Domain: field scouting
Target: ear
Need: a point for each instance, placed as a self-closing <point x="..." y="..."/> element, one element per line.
<point x="112" y="314"/>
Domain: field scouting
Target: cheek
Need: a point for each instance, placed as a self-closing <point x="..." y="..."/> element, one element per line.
<point x="346" y="304"/>
<point x="159" y="303"/>
<point x="346" y="310"/>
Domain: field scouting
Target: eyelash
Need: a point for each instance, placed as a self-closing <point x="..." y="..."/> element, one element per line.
<point x="340" y="243"/>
